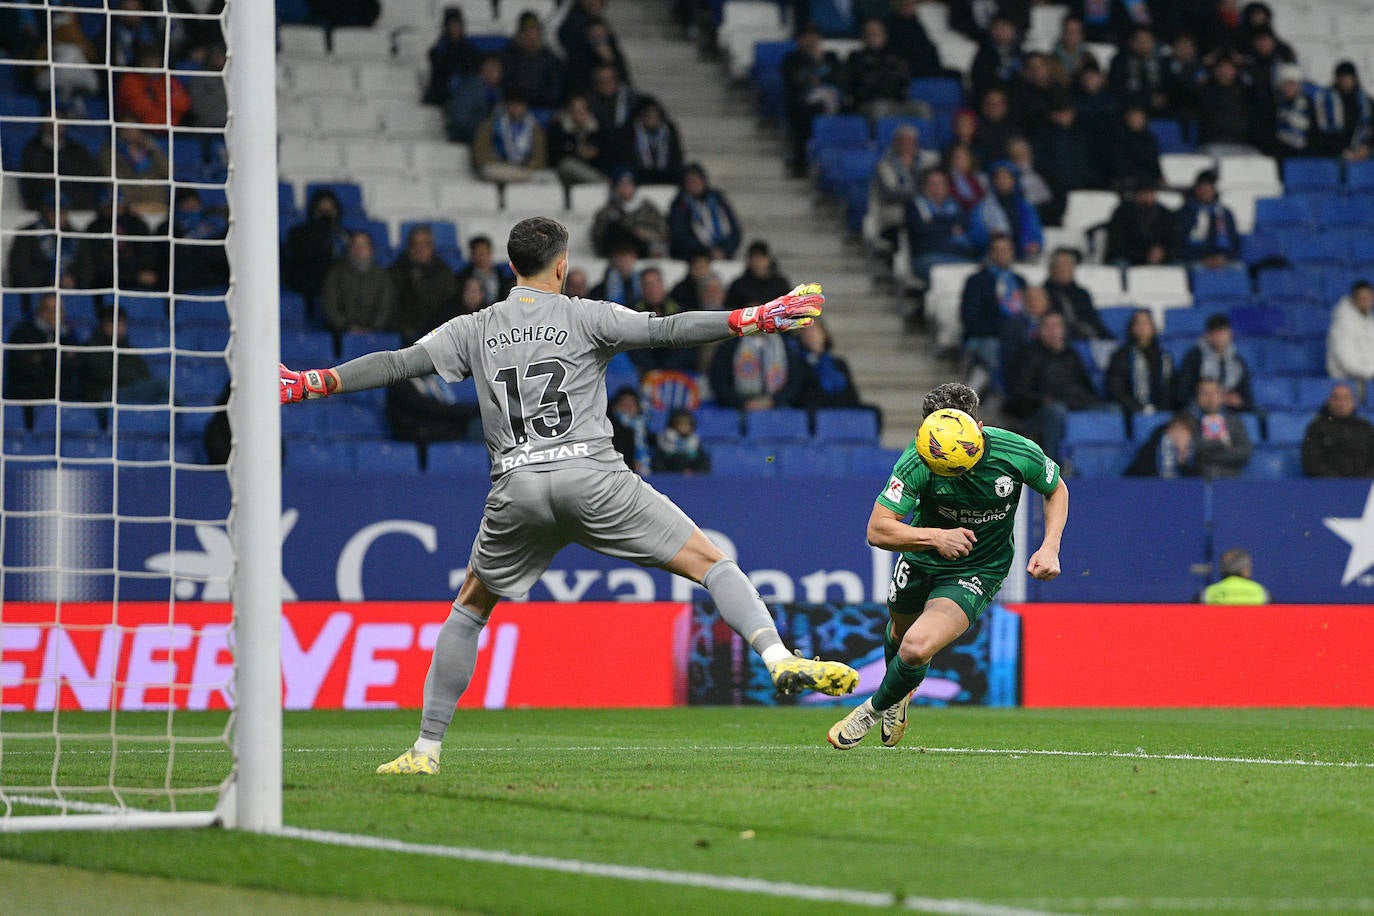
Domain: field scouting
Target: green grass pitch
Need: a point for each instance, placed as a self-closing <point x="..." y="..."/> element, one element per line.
<point x="954" y="814"/>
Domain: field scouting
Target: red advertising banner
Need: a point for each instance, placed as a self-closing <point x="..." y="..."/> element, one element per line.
<point x="1155" y="655"/>
<point x="339" y="655"/>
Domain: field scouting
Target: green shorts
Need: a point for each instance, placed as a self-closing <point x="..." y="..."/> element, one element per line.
<point x="911" y="588"/>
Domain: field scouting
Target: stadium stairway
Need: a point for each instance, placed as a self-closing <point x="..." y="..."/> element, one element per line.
<point x="891" y="368"/>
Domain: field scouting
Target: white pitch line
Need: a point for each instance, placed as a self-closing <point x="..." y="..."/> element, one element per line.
<point x="785" y="889"/>
<point x="1196" y="904"/>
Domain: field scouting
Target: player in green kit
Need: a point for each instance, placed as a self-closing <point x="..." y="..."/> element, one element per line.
<point x="960" y="484"/>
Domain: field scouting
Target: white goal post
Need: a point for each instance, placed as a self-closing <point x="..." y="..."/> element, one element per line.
<point x="102" y="648"/>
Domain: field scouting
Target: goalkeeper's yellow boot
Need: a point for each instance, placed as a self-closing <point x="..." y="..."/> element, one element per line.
<point x="412" y="763"/>
<point x="850" y="730"/>
<point x="894" y="723"/>
<point x="796" y="674"/>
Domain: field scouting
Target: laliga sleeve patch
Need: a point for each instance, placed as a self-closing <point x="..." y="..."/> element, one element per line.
<point x="894" y="490"/>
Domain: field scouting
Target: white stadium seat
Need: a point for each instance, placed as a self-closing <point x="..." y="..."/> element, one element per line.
<point x="361" y="44"/>
<point x="434" y="159"/>
<point x="346" y="118"/>
<point x="296" y="117"/>
<point x="1086" y="209"/>
<point x="1242" y="206"/>
<point x="395" y="197"/>
<point x="413" y="122"/>
<point x="302" y="41"/>
<point x="942" y="301"/>
<point x="956" y="51"/>
<point x="935" y="18"/>
<point x="387" y="81"/>
<point x="1158" y="289"/>
<point x="534" y="198"/>
<point x="321" y="78"/>
<point x="305" y="158"/>
<point x="728" y="271"/>
<point x="1180" y="169"/>
<point x="469" y="196"/>
<point x="1103" y="52"/>
<point x="588" y="198"/>
<point x="1258" y="174"/>
<point x="422" y="16"/>
<point x="367" y="158"/>
<point x="660" y="195"/>
<point x="1033" y="274"/>
<point x="1103" y="282"/>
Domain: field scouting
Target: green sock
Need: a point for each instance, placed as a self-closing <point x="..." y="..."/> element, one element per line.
<point x="900" y="680"/>
<point x="890" y="644"/>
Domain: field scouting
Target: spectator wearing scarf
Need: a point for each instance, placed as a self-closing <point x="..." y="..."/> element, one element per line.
<point x="649" y="145"/>
<point x="1345" y="116"/>
<point x="1005" y="210"/>
<point x="1214" y="358"/>
<point x="137" y="158"/>
<point x="510" y="145"/>
<point x="629" y="216"/>
<point x="630" y="431"/>
<point x="678" y="448"/>
<point x="701" y="220"/>
<point x="1140" y="373"/>
<point x="936" y="226"/>
<point x="621" y="282"/>
<point x="895" y="183"/>
<point x="1206" y="229"/>
<point x="989" y="298"/>
<point x="1294" y="116"/>
<point x="757" y="372"/>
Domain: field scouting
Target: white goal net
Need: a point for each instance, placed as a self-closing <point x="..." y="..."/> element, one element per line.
<point x="128" y="325"/>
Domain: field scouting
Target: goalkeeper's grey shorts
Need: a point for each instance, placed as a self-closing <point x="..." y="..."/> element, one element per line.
<point x="531" y="515"/>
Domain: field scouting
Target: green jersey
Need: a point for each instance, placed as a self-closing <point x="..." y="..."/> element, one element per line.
<point x="983" y="500"/>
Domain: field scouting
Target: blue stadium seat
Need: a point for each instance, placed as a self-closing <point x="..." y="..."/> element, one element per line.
<point x="1359" y="176"/>
<point x="490" y="44"/>
<point x="839" y="424"/>
<point x="320" y="456"/>
<point x="144" y="308"/>
<point x="1337" y="210"/>
<point x="1317" y="250"/>
<point x="1257" y="320"/>
<point x="307" y="349"/>
<point x="1361" y="246"/>
<point x="937" y="91"/>
<point x="1185" y="323"/>
<point x="1099" y="459"/>
<point x="292" y="310"/>
<point x="1143" y="425"/>
<point x="143" y="449"/>
<point x="1264" y="245"/>
<point x="1253" y="427"/>
<point x="1220" y="287"/>
<point x="89" y="446"/>
<point x="305" y="421"/>
<point x="808" y="461"/>
<point x="1274" y="392"/>
<point x="718" y="424"/>
<point x="457" y="459"/>
<point x="1095" y="426"/>
<point x="1312" y="392"/>
<point x="1279" y="212"/>
<point x="1333" y="284"/>
<point x="1286" y="427"/>
<point x="350" y="195"/>
<point x="286" y="201"/>
<point x="348" y="420"/>
<point x="1305" y="322"/>
<point x="445" y="232"/>
<point x="198" y="382"/>
<point x="766" y="73"/>
<point x="211" y="311"/>
<point x="153" y="424"/>
<point x="1273" y="463"/>
<point x="14" y="105"/>
<point x="743" y="461"/>
<point x="838" y="132"/>
<point x="1116" y="318"/>
<point x="781" y="424"/>
<point x="1289" y="284"/>
<point x="1169" y="136"/>
<point x="377" y="456"/>
<point x="872" y="461"/>
<point x="14" y="136"/>
<point x="840" y="168"/>
<point x="73" y="421"/>
<point x="1311" y="175"/>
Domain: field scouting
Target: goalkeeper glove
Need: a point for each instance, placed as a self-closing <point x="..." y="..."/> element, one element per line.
<point x="312" y="383"/>
<point x="786" y="313"/>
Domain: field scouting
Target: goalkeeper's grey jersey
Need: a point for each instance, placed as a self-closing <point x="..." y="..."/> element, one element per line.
<point x="539" y="362"/>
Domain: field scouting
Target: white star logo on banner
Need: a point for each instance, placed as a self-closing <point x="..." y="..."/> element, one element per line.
<point x="1359" y="534"/>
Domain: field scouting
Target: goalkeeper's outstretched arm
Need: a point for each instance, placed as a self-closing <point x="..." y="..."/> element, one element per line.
<point x="788" y="312"/>
<point x="375" y="370"/>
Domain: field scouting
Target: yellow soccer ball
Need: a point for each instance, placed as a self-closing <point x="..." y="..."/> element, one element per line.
<point x="950" y="442"/>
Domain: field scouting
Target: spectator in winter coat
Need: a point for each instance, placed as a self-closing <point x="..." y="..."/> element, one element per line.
<point x="611" y="98"/>
<point x="936" y="226"/>
<point x="1207" y="231"/>
<point x="1138" y="75"/>
<point x="510" y="145"/>
<point x="812" y="85"/>
<point x="1068" y="156"/>
<point x="701" y="219"/>
<point x="996" y="126"/>
<point x="1134" y="153"/>
<point x="758" y="372"/>
<point x="629" y="216"/>
<point x="1345" y="116"/>
<point x="908" y="37"/>
<point x="1005" y="210"/>
<point x="532" y="71"/>
<point x="1170" y="452"/>
<point x="1226" y="123"/>
<point x="578" y="146"/>
<point x="313" y="245"/>
<point x="596" y="47"/>
<point x="1223" y="445"/>
<point x="678" y="449"/>
<point x="35" y="372"/>
<point x="1031" y="94"/>
<point x="895" y="183"/>
<point x="878" y="76"/>
<point x="1140" y="373"/>
<point x="1294" y="116"/>
<point x="1050" y="380"/>
<point x="108" y="374"/>
<point x="138" y="159"/>
<point x="1338" y="442"/>
<point x="472" y="99"/>
<point x="117" y="238"/>
<point x="45" y="253"/>
<point x="990" y="296"/>
<point x="968" y="185"/>
<point x="761" y="281"/>
<point x="1141" y="231"/>
<point x="1215" y="359"/>
<point x="195" y="265"/>
<point x="630" y="430"/>
<point x="828" y="381"/>
<point x="426" y="290"/>
<point x="998" y="61"/>
<point x="650" y="145"/>
<point x="358" y="295"/>
<point x="689" y="290"/>
<point x="1033" y="186"/>
<point x="151" y="97"/>
<point x="1350" y="339"/>
<point x="620" y="283"/>
<point x="51" y="152"/>
<point x="1071" y="300"/>
<point x="425" y="410"/>
<point x="495" y="279"/>
<point x="451" y="57"/>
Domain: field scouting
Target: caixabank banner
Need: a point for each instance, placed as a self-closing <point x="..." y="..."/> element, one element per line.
<point x="978" y="669"/>
<point x="335" y="655"/>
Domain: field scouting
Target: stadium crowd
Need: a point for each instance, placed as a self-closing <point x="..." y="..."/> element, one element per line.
<point x="975" y="167"/>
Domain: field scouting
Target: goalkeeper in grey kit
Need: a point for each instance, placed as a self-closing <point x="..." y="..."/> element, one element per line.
<point x="539" y="362"/>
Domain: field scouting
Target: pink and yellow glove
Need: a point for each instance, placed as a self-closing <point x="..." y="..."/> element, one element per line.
<point x="312" y="383"/>
<point x="788" y="312"/>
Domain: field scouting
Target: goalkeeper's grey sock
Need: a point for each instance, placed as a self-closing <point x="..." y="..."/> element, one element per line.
<point x="741" y="607"/>
<point x="455" y="655"/>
